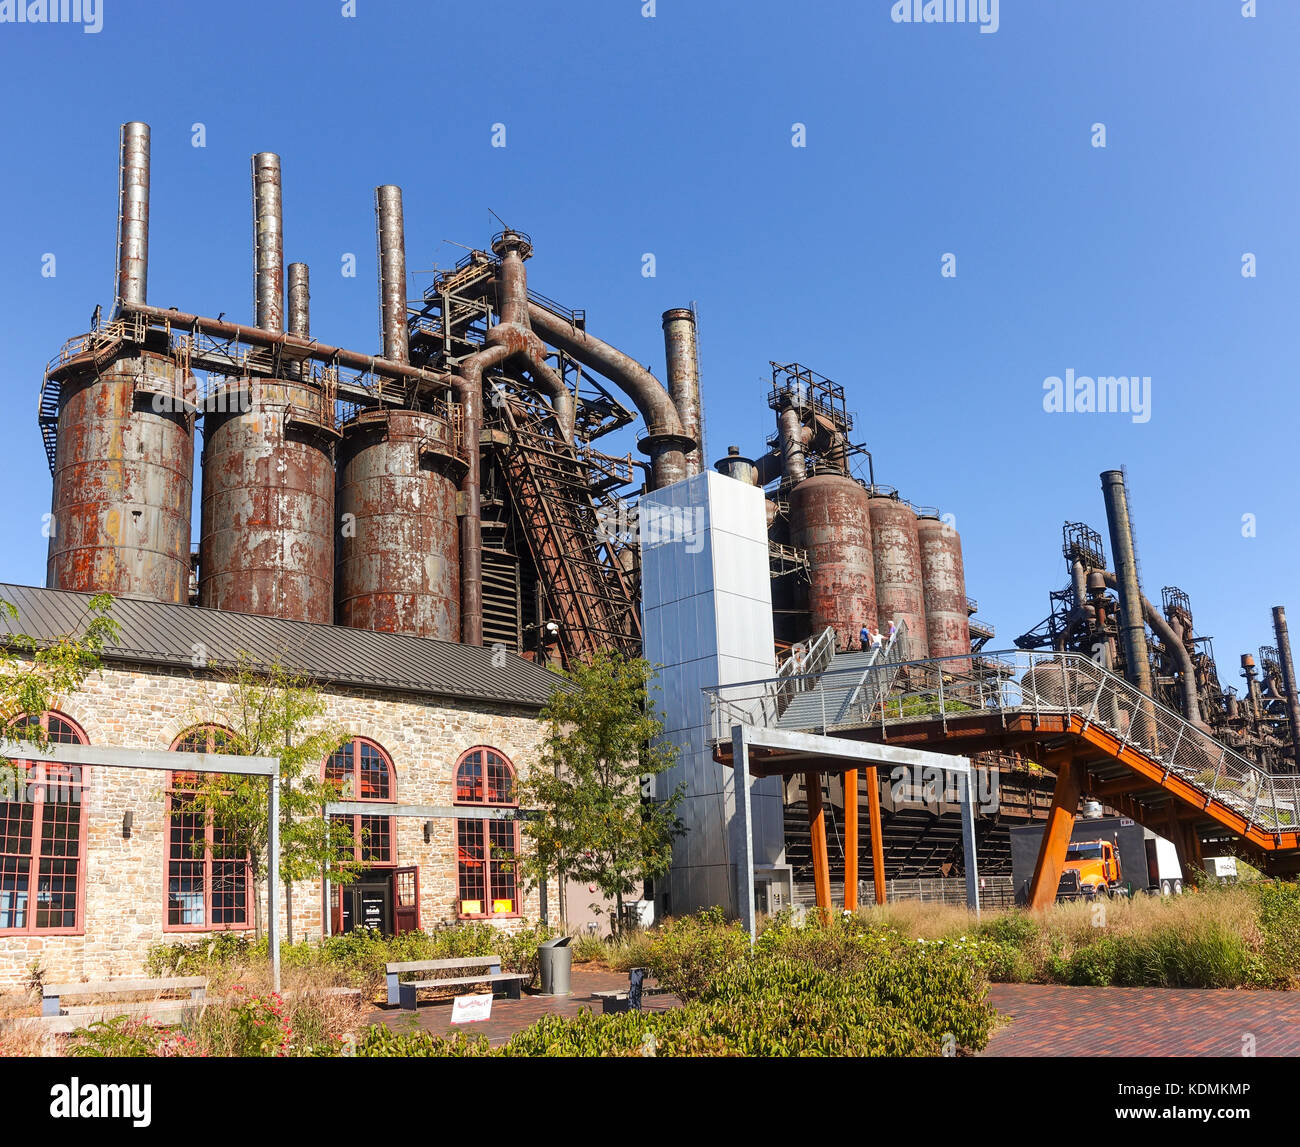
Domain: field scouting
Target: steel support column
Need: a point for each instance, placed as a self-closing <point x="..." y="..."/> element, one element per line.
<point x="817" y="829"/>
<point x="850" y="840"/>
<point x="1056" y="836"/>
<point x="877" y="833"/>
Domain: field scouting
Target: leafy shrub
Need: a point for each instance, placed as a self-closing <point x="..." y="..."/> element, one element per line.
<point x="693" y="952"/>
<point x="1277" y="912"/>
<point x="589" y="948"/>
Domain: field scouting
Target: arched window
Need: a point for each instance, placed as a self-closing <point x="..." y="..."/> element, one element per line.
<point x="42" y="835"/>
<point x="486" y="848"/>
<point x="209" y="882"/>
<point x="362" y="771"/>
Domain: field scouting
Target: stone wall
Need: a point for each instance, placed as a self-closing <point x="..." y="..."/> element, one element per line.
<point x="125" y="894"/>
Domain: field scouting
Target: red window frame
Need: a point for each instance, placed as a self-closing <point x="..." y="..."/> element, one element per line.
<point x="43" y="849"/>
<point x="178" y="783"/>
<point x="485" y="776"/>
<point x="352" y="768"/>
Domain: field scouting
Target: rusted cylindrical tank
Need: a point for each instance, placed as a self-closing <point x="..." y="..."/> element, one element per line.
<point x="123" y="478"/>
<point x="267" y="543"/>
<point x="947" y="624"/>
<point x="736" y="465"/>
<point x="398" y="548"/>
<point x="900" y="586"/>
<point x="830" y="518"/>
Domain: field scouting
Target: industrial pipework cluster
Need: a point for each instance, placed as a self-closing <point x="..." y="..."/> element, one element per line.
<point x="371" y="490"/>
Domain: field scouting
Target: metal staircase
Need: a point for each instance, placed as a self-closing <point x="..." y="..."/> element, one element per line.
<point x="555" y="489"/>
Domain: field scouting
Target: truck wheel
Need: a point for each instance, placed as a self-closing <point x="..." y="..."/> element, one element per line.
<point x="1178" y="887"/>
<point x="1166" y="888"/>
<point x="1102" y="892"/>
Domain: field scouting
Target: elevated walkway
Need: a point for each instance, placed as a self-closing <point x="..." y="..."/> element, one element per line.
<point x="1098" y="734"/>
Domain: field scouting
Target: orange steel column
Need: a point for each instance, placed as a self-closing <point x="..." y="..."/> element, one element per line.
<point x="1056" y="836"/>
<point x="851" y="840"/>
<point x="877" y="834"/>
<point x="817" y="830"/>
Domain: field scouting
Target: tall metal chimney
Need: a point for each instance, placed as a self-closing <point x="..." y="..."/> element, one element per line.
<point x="268" y="242"/>
<point x="132" y="216"/>
<point x="682" y="353"/>
<point x="1134" y="632"/>
<point x="1288" y="678"/>
<point x="299" y="300"/>
<point x="392" y="272"/>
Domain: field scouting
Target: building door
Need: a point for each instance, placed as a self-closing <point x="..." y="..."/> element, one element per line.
<point x="406" y="899"/>
<point x="368" y="904"/>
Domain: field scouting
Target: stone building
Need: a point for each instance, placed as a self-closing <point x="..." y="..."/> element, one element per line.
<point x="97" y="867"/>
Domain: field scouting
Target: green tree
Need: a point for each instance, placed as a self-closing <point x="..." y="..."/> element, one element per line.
<point x="36" y="675"/>
<point x="268" y="712"/>
<point x="590" y="821"/>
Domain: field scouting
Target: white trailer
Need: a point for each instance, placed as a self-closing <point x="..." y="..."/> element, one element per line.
<point x="1164" y="873"/>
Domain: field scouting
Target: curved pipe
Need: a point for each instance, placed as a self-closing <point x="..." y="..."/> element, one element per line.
<point x="666" y="443"/>
<point x="514" y="332"/>
<point x="1171" y="636"/>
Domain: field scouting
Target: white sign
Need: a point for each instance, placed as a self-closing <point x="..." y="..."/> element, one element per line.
<point x="471" y="1009"/>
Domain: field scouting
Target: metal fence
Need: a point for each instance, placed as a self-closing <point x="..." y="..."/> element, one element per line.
<point x="997" y="891"/>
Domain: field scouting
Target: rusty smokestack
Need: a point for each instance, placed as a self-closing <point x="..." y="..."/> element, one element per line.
<point x="1134" y="632"/>
<point x="268" y="242"/>
<point x="132" y="216"/>
<point x="682" y="356"/>
<point x="299" y="300"/>
<point x="792" y="443"/>
<point x="391" y="232"/>
<point x="1288" y="677"/>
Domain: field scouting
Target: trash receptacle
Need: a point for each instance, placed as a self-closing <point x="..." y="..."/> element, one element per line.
<point x="555" y="958"/>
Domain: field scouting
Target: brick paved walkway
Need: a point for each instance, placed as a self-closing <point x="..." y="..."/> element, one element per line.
<point x="510" y="1016"/>
<point x="1049" y="1020"/>
<point x="1034" y="1019"/>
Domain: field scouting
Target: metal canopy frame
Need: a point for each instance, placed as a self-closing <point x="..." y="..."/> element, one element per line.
<point x="823" y="750"/>
<point x="116" y="757"/>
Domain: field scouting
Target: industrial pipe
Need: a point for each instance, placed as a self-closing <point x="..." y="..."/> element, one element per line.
<point x="792" y="445"/>
<point x="514" y="331"/>
<point x="268" y="242"/>
<point x="299" y="300"/>
<point x="1288" y="677"/>
<point x="1171" y="635"/>
<point x="682" y="358"/>
<point x="1130" y="592"/>
<point x="132" y="216"/>
<point x="391" y="236"/>
<point x="308" y="347"/>
<point x="666" y="442"/>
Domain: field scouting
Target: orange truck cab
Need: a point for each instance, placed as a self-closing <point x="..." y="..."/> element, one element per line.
<point x="1091" y="870"/>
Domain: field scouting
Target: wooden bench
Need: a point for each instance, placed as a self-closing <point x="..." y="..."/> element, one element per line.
<point x="403" y="991"/>
<point x="52" y="995"/>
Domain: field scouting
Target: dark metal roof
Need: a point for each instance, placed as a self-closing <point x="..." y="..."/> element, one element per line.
<point x="154" y="633"/>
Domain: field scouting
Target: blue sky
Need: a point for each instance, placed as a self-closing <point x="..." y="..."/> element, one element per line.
<point x="672" y="135"/>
